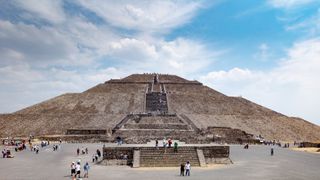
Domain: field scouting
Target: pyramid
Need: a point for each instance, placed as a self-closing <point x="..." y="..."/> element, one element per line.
<point x="145" y="106"/>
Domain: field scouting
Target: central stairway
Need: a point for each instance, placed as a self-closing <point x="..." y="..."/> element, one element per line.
<point x="166" y="157"/>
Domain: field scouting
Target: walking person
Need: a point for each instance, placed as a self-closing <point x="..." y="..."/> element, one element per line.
<point x="78" y="152"/>
<point x="182" y="169"/>
<point x="73" y="169"/>
<point x="86" y="168"/>
<point x="271" y="151"/>
<point x="96" y="158"/>
<point x="188" y="168"/>
<point x="78" y="169"/>
<point x="157" y="143"/>
<point x="98" y="153"/>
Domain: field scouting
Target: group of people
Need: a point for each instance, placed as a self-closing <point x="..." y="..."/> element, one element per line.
<point x="83" y="151"/>
<point x="185" y="169"/>
<point x="271" y="150"/>
<point x="76" y="169"/>
<point x="55" y="147"/>
<point x="246" y="146"/>
<point x="286" y="145"/>
<point x="96" y="156"/>
<point x="35" y="148"/>
<point x="44" y="143"/>
<point x="20" y="147"/>
<point x="6" y="153"/>
<point x="168" y="144"/>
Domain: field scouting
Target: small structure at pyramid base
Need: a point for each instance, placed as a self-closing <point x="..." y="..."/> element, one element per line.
<point x="151" y="156"/>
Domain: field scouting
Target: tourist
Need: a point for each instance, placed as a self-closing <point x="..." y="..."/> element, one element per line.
<point x="157" y="143"/>
<point x="86" y="168"/>
<point x="98" y="153"/>
<point x="60" y="141"/>
<point x="78" y="169"/>
<point x="78" y="152"/>
<point x="175" y="147"/>
<point x="96" y="158"/>
<point x="73" y="169"/>
<point x="188" y="168"/>
<point x="4" y="153"/>
<point x="182" y="169"/>
<point x="271" y="151"/>
<point x="119" y="141"/>
<point x="169" y="142"/>
<point x="246" y="146"/>
<point x="93" y="157"/>
<point x="164" y="142"/>
<point x="37" y="149"/>
<point x="87" y="151"/>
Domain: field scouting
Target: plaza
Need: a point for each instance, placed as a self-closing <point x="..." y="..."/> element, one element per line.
<point x="252" y="163"/>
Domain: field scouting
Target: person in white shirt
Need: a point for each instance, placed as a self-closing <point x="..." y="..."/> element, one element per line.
<point x="188" y="167"/>
<point x="78" y="169"/>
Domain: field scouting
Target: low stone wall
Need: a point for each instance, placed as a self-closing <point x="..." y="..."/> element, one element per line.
<point x="216" y="151"/>
<point x="156" y="126"/>
<point x="78" y="138"/>
<point x="86" y="131"/>
<point x="309" y="144"/>
<point x="134" y="136"/>
<point x="111" y="154"/>
<point x="216" y="154"/>
<point x="229" y="135"/>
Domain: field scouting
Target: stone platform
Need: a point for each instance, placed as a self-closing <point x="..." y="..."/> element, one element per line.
<point x="146" y="155"/>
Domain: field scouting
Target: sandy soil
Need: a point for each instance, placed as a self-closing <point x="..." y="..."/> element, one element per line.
<point x="309" y="150"/>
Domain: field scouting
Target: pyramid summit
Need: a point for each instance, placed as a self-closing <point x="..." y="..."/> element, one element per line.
<point x="141" y="107"/>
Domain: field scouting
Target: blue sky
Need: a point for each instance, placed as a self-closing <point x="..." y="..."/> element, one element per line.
<point x="266" y="51"/>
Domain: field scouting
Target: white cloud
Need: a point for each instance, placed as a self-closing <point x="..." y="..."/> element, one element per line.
<point x="157" y="16"/>
<point x="51" y="11"/>
<point x="180" y="56"/>
<point x="310" y="26"/>
<point x="32" y="44"/>
<point x="291" y="88"/>
<point x="287" y="4"/>
<point x="46" y="51"/>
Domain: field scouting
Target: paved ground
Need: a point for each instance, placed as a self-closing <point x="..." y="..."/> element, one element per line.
<point x="254" y="163"/>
